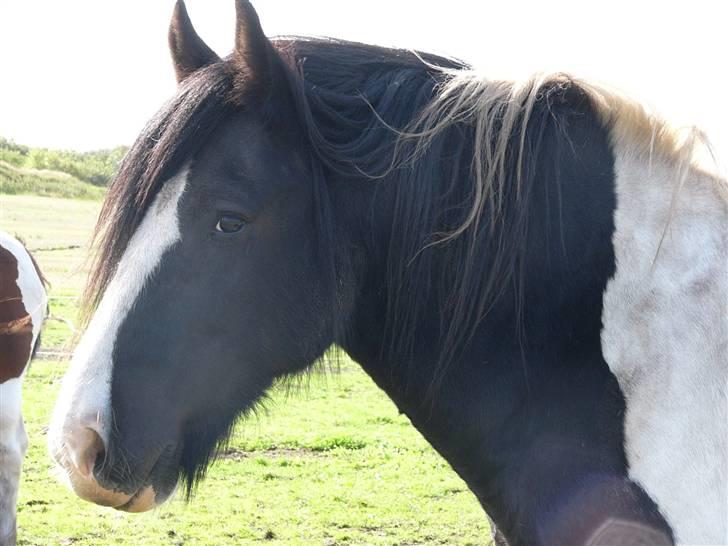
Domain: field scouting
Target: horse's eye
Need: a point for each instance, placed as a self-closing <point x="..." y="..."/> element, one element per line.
<point x="229" y="224"/>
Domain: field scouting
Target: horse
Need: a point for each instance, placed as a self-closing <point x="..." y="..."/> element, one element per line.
<point x="535" y="272"/>
<point x="23" y="305"/>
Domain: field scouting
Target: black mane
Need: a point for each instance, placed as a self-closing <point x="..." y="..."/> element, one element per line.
<point x="362" y="109"/>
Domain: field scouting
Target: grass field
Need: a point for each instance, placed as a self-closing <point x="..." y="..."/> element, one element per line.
<point x="330" y="465"/>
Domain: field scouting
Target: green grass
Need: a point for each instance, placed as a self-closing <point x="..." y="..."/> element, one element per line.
<point x="18" y="180"/>
<point x="330" y="464"/>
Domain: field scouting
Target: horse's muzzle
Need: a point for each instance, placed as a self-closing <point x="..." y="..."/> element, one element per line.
<point x="81" y="454"/>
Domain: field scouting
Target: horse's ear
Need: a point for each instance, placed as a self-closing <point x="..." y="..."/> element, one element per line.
<point x="189" y="52"/>
<point x="253" y="51"/>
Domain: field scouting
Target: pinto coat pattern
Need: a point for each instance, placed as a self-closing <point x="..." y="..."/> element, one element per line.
<point x="23" y="302"/>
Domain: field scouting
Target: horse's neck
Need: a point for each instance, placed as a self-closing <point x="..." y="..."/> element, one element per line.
<point x="539" y="464"/>
<point x="526" y="428"/>
<point x="507" y="422"/>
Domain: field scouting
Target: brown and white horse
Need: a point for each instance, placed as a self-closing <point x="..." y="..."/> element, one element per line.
<point x="23" y="302"/>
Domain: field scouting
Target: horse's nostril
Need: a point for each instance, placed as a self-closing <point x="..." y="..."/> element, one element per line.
<point x="84" y="446"/>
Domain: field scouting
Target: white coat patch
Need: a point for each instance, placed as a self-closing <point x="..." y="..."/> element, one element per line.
<point x="665" y="338"/>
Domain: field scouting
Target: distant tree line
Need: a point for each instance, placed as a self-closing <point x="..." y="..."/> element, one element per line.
<point x="96" y="167"/>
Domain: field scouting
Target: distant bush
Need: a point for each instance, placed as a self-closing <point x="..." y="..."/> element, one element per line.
<point x="95" y="167"/>
<point x="18" y="180"/>
<point x="6" y="144"/>
<point x="12" y="156"/>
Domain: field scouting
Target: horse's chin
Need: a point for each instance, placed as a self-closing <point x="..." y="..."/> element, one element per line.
<point x="155" y="492"/>
<point x="142" y="501"/>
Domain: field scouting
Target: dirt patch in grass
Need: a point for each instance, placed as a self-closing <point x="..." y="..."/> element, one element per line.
<point x="282" y="452"/>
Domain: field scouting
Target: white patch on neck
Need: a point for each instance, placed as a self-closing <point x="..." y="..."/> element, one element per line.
<point x="665" y="338"/>
<point x="86" y="389"/>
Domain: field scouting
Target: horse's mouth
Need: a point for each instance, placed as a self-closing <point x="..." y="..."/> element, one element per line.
<point x="90" y="490"/>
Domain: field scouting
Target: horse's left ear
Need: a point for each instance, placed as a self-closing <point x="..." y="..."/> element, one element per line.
<point x="253" y="51"/>
<point x="189" y="52"/>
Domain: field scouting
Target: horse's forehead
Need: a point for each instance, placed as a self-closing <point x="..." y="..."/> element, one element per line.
<point x="244" y="147"/>
<point x="241" y="132"/>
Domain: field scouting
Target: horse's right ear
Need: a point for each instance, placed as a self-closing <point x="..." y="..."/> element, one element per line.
<point x="189" y="52"/>
<point x="253" y="51"/>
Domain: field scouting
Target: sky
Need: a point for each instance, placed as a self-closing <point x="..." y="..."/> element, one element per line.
<point x="88" y="74"/>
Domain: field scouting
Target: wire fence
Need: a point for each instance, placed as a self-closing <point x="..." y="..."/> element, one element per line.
<point x="51" y="248"/>
<point x="51" y="354"/>
<point x="57" y="354"/>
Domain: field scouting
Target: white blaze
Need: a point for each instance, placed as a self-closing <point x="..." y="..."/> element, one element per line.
<point x="665" y="338"/>
<point x="86" y="389"/>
